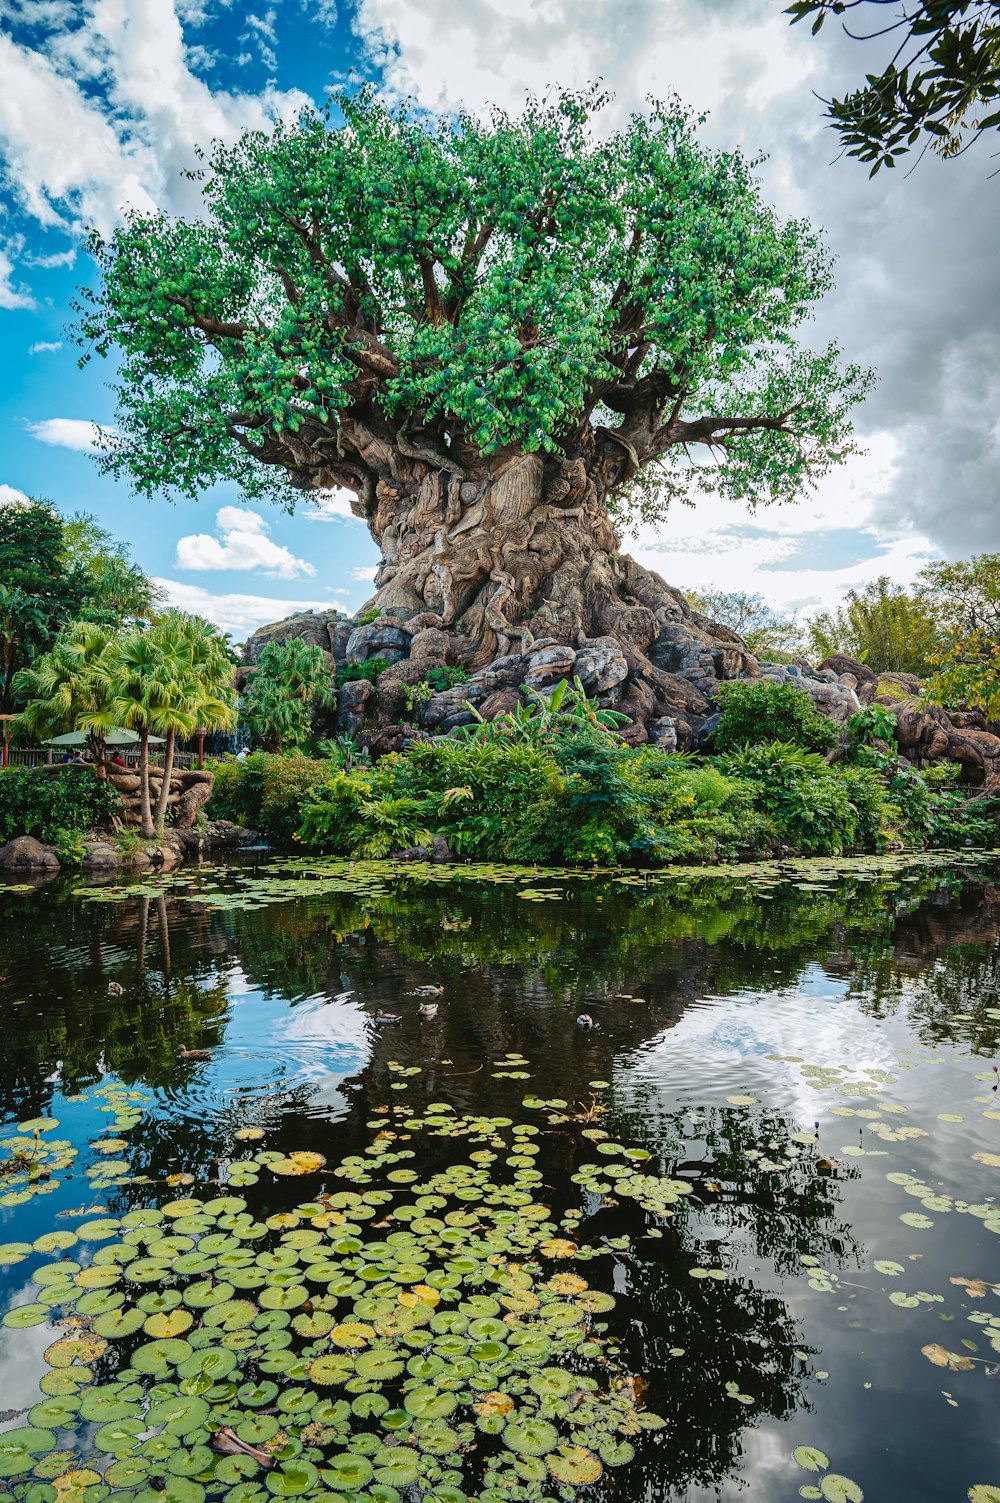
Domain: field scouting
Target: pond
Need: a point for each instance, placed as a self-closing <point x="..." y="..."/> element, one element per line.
<point x="736" y="1239"/>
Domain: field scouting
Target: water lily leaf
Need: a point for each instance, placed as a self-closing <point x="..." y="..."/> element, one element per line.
<point x="574" y="1466"/>
<point x="352" y="1334"/>
<point x="941" y="1357"/>
<point x="120" y="1436"/>
<point x="531" y="1436"/>
<point x="347" y="1472"/>
<point x="168" y="1323"/>
<point x="14" y="1252"/>
<point x="812" y="1459"/>
<point x="838" y="1489"/>
<point x="179" y="1416"/>
<point x="23" y="1316"/>
<point x="888" y="1267"/>
<point x="396" y="1467"/>
<point x="54" y="1413"/>
<point x="984" y="1492"/>
<point x="292" y="1478"/>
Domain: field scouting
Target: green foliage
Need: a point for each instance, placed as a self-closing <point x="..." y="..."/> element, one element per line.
<point x="963" y="597"/>
<point x="54" y="572"/>
<point x="969" y="676"/>
<point x="345" y="752"/>
<point x="351" y="672"/>
<point x="543" y="719"/>
<point x="882" y="626"/>
<point x="265" y="792"/>
<point x="810" y="806"/>
<point x="53" y="805"/>
<point x="757" y="710"/>
<point x="289" y="684"/>
<point x="766" y="633"/>
<point x="940" y="89"/>
<point x="367" y="617"/>
<point x="501" y="280"/>
<point x="445" y="678"/>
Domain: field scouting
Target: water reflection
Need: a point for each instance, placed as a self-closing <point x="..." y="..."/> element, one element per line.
<point x="728" y="993"/>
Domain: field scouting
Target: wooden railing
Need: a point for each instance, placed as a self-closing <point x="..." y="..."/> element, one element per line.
<point x="46" y="756"/>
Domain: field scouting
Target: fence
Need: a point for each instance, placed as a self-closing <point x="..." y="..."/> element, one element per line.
<point x="44" y="756"/>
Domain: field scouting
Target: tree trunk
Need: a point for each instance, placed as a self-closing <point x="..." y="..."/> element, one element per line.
<point x="524" y="556"/>
<point x="146" y="818"/>
<point x="161" y="801"/>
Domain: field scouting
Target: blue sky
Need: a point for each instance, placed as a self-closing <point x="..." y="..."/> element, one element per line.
<point x="104" y="101"/>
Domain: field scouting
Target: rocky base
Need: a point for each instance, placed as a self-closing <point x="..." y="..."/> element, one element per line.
<point x="661" y="669"/>
<point x="26" y="856"/>
<point x="189" y="793"/>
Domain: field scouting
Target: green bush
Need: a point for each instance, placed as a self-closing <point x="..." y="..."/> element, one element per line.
<point x="265" y="792"/>
<point x="758" y="711"/>
<point x="810" y="806"/>
<point x="54" y="806"/>
<point x="369" y="671"/>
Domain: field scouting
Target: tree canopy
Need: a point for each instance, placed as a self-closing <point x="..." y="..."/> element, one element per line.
<point x="883" y="626"/>
<point x="509" y="286"/>
<point x="941" y="85"/>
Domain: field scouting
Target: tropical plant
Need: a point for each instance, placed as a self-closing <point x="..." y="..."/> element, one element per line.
<point x="345" y="752"/>
<point x="811" y="806"/>
<point x="169" y="680"/>
<point x="351" y="673"/>
<point x="941" y="87"/>
<point x="564" y="708"/>
<point x="757" y="710"/>
<point x="882" y="626"/>
<point x="68" y="689"/>
<point x="289" y="684"/>
<point x="490" y="319"/>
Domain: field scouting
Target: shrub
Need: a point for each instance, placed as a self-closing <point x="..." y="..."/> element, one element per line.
<point x="760" y="711"/>
<point x="369" y="671"/>
<point x="53" y="806"/>
<point x="265" y="792"/>
<point x="810" y="806"/>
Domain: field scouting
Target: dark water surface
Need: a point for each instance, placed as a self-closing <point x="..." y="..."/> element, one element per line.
<point x="809" y="1055"/>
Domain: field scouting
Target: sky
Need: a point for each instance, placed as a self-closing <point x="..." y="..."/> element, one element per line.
<point x="104" y="102"/>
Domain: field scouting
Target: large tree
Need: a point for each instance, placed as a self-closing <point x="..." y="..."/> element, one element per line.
<point x="504" y="338"/>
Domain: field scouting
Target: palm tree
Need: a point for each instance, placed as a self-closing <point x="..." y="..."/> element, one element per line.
<point x="67" y="688"/>
<point x="24" y="628"/>
<point x="201" y="687"/>
<point x="169" y="679"/>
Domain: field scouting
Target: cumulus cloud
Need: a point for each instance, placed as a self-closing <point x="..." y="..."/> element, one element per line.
<point x="45" y="346"/>
<point x="242" y="543"/>
<point x="11" y="496"/>
<point x="72" y="433"/>
<point x="364" y="576"/>
<point x="236" y="613"/>
<point x="105" y="113"/>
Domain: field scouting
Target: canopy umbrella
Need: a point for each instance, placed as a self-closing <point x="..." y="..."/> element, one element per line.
<point x="116" y="737"/>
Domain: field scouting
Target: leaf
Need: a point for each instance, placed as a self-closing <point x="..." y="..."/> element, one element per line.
<point x="838" y="1489"/>
<point x="941" y="1357"/>
<point x="811" y="1459"/>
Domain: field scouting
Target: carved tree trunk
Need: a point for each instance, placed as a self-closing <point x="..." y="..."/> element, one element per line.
<point x="524" y="552"/>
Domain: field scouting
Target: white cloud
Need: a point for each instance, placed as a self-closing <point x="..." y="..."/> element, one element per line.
<point x="74" y="158"/>
<point x="12" y="296"/>
<point x="58" y="258"/>
<point x="237" y="613"/>
<point x="364" y="576"/>
<point x="11" y="496"/>
<point x="243" y="543"/>
<point x="44" y="346"/>
<point x="330" y="506"/>
<point x="72" y="433"/>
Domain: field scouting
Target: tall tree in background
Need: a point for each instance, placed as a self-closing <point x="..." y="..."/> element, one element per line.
<point x="54" y="572"/>
<point x="763" y="630"/>
<point x="964" y="597"/>
<point x="504" y="339"/>
<point x="881" y="625"/>
<point x="941" y="86"/>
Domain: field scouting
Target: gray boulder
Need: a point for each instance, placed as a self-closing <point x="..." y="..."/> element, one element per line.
<point x="379" y="639"/>
<point x="26" y="854"/>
